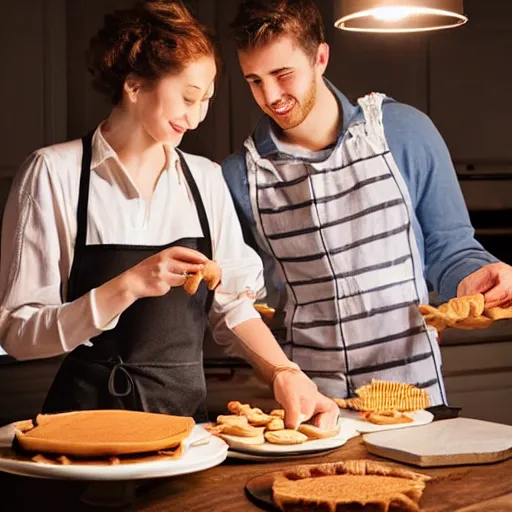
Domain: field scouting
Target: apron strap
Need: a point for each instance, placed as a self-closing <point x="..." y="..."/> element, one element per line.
<point x="81" y="212"/>
<point x="201" y="213"/>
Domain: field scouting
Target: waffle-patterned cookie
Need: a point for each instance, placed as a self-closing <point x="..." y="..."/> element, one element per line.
<point x="386" y="396"/>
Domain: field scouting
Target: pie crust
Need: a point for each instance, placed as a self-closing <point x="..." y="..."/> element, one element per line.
<point x="349" y="483"/>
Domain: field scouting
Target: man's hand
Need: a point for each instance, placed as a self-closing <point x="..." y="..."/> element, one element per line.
<point x="494" y="281"/>
<point x="301" y="401"/>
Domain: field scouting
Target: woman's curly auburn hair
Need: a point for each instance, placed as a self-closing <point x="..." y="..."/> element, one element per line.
<point x="153" y="39"/>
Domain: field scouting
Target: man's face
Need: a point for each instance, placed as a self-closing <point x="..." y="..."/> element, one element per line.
<point x="283" y="80"/>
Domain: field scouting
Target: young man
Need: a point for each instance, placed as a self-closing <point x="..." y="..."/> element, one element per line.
<point x="353" y="209"/>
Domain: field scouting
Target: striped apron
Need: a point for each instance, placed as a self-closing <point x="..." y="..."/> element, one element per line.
<point x="341" y="235"/>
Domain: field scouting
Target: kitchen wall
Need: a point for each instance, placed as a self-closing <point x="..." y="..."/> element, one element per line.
<point x="461" y="78"/>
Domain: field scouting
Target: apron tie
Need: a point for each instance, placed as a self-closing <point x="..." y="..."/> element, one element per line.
<point x="119" y="367"/>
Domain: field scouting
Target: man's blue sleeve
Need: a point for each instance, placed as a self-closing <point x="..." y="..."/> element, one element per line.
<point x="450" y="250"/>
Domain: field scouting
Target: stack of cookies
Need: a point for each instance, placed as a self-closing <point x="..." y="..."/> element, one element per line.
<point x="246" y="425"/>
<point x="385" y="403"/>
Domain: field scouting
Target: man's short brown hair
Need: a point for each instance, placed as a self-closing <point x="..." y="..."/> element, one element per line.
<point x="258" y="22"/>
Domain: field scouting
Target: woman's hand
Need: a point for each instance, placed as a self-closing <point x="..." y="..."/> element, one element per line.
<point x="301" y="401"/>
<point x="156" y="275"/>
<point x="152" y="277"/>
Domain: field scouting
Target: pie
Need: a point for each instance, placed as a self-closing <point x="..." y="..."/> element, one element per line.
<point x="352" y="483"/>
<point x="104" y="434"/>
<point x="467" y="312"/>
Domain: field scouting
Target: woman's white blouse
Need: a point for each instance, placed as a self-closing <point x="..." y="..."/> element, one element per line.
<point x="39" y="231"/>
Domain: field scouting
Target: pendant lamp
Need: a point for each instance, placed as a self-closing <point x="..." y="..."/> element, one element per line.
<point x="398" y="15"/>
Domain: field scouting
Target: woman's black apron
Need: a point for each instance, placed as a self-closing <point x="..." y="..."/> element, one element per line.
<point x="153" y="359"/>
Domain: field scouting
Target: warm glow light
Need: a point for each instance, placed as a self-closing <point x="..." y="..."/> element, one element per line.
<point x="391" y="13"/>
<point x="399" y="16"/>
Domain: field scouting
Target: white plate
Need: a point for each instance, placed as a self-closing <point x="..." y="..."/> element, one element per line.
<point x="362" y="426"/>
<point x="195" y="458"/>
<point x="347" y="431"/>
<point x="234" y="454"/>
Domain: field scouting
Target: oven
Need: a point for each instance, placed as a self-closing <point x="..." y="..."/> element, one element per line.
<point x="487" y="190"/>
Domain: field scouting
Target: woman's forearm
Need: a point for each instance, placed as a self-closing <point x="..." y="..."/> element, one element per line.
<point x="260" y="348"/>
<point x="112" y="298"/>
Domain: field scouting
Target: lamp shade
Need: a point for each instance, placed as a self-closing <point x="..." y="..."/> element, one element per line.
<point x="398" y="15"/>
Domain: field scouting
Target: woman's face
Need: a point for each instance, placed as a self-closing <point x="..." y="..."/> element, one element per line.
<point x="176" y="103"/>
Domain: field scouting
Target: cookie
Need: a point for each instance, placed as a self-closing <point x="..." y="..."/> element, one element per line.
<point x="232" y="419"/>
<point x="286" y="436"/>
<point x="275" y="424"/>
<point x="314" y="432"/>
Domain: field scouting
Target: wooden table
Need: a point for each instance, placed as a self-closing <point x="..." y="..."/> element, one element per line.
<point x="221" y="489"/>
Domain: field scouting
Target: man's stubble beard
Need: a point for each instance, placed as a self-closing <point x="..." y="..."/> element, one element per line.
<point x="299" y="112"/>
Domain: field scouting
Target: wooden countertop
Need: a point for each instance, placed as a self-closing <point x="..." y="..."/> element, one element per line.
<point x="221" y="489"/>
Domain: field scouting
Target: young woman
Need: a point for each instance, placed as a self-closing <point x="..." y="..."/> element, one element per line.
<point x="99" y="234"/>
